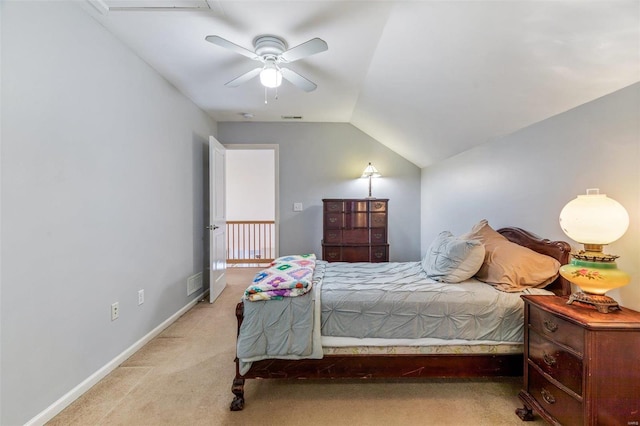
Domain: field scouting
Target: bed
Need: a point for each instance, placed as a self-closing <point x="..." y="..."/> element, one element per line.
<point x="448" y="357"/>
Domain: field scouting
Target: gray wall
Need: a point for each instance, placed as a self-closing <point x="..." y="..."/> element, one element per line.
<point x="325" y="160"/>
<point x="525" y="179"/>
<point x="103" y="171"/>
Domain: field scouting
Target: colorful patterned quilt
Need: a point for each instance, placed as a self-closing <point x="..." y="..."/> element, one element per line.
<point x="287" y="276"/>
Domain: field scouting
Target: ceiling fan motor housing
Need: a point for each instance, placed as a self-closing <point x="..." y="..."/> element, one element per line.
<point x="269" y="47"/>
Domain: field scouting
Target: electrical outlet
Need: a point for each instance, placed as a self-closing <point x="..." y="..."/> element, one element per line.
<point x="297" y="207"/>
<point x="115" y="311"/>
<point x="140" y="297"/>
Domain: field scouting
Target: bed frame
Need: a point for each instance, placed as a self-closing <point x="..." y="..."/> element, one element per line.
<point x="401" y="366"/>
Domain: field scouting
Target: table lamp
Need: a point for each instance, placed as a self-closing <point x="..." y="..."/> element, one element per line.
<point x="594" y="220"/>
<point x="370" y="172"/>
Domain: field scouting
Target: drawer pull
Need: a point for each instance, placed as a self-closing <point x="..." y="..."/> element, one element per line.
<point x="548" y="398"/>
<point x="332" y="255"/>
<point x="550" y="360"/>
<point x="333" y="219"/>
<point x="550" y="325"/>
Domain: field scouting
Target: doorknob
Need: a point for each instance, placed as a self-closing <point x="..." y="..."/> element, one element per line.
<point x="212" y="227"/>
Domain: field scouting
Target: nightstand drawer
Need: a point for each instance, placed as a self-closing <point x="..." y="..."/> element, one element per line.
<point x="556" y="362"/>
<point x="564" y="408"/>
<point x="557" y="329"/>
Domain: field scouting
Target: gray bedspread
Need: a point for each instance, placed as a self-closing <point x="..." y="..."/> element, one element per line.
<point x="398" y="300"/>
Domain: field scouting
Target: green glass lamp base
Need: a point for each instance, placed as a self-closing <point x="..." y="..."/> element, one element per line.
<point x="603" y="303"/>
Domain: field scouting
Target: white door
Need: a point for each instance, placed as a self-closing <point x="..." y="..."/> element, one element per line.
<point x="217" y="220"/>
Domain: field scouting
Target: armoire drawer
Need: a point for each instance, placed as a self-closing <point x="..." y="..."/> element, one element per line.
<point x="378" y="206"/>
<point x="355" y="236"/>
<point x="334" y="221"/>
<point x="332" y="254"/>
<point x="378" y="235"/>
<point x="378" y="220"/>
<point x="355" y="253"/>
<point x="334" y="206"/>
<point x="379" y="253"/>
<point x="333" y="236"/>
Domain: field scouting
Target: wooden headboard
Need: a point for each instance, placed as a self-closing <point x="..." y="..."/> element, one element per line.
<point x="559" y="250"/>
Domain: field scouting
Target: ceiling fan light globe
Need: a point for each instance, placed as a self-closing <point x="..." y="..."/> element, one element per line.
<point x="270" y="77"/>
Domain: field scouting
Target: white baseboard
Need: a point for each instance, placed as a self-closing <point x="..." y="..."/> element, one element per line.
<point x="62" y="403"/>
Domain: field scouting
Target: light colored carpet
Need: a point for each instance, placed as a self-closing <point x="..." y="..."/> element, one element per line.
<point x="183" y="377"/>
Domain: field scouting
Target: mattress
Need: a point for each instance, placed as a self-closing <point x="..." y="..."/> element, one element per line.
<point x="397" y="300"/>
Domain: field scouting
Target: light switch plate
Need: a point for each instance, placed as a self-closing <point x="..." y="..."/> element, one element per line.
<point x="297" y="207"/>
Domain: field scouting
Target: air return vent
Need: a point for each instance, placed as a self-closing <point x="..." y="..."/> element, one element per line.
<point x="158" y="5"/>
<point x="194" y="283"/>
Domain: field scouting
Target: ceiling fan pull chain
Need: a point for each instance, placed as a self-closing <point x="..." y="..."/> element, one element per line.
<point x="265" y="95"/>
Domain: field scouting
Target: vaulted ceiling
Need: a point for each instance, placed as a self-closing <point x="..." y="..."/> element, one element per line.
<point x="429" y="79"/>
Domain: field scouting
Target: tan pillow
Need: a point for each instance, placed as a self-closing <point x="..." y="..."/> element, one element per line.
<point x="509" y="266"/>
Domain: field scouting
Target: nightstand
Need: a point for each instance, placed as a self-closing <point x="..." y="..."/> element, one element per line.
<point x="582" y="367"/>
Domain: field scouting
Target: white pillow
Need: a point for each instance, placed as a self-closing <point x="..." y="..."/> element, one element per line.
<point x="453" y="259"/>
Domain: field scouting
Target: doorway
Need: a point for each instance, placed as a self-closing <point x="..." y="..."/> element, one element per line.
<point x="252" y="204"/>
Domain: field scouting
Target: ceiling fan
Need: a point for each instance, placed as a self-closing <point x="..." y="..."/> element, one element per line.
<point x="272" y="52"/>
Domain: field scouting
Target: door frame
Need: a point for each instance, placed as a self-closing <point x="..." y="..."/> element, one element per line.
<point x="276" y="171"/>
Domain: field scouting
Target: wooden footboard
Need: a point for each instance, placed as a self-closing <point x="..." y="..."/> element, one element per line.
<point x="404" y="366"/>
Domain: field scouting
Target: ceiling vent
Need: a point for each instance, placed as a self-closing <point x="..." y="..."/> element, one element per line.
<point x="106" y="6"/>
<point x="291" y="117"/>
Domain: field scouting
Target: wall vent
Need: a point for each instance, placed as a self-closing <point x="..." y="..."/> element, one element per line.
<point x="291" y="117"/>
<point x="194" y="283"/>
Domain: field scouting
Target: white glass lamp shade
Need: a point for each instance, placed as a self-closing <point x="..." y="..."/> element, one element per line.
<point x="270" y="76"/>
<point x="594" y="219"/>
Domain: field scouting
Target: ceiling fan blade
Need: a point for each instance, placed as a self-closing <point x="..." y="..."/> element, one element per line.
<point x="219" y="41"/>
<point x="244" y="77"/>
<point x="298" y="80"/>
<point x="308" y="48"/>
